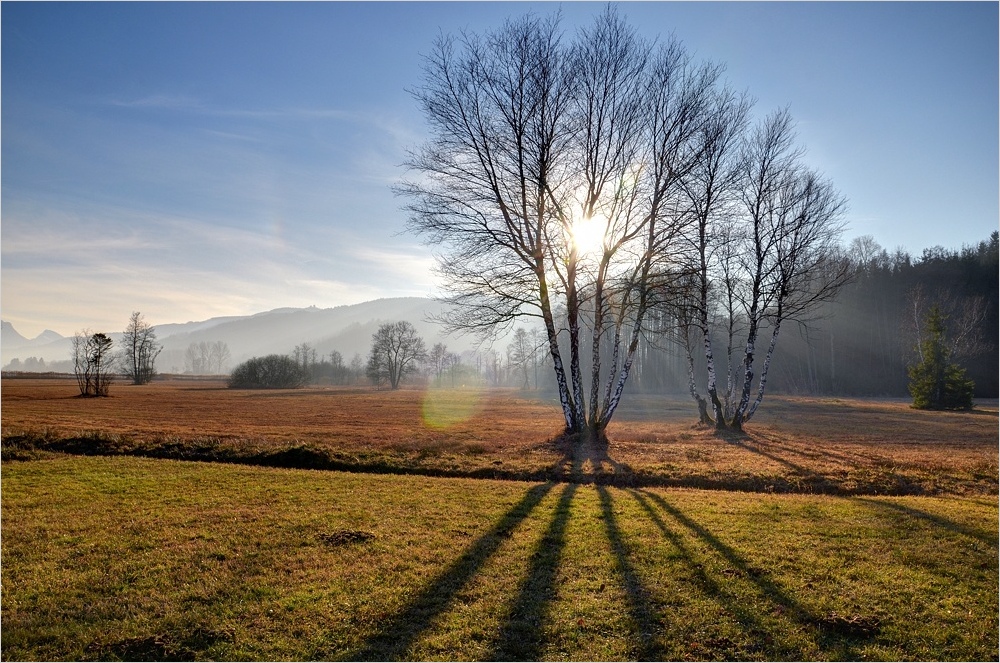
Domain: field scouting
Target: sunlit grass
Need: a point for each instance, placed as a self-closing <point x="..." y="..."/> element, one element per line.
<point x="128" y="558"/>
<point x="795" y="444"/>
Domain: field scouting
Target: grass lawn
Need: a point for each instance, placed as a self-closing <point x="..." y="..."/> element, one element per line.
<point x="142" y="559"/>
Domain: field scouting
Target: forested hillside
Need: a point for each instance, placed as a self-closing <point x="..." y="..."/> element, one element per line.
<point x="869" y="334"/>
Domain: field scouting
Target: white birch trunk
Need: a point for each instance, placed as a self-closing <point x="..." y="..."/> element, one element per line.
<point x="738" y="416"/>
<point x="763" y="371"/>
<point x="616" y="397"/>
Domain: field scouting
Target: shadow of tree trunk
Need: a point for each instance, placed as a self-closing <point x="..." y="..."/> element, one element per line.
<point x="393" y="640"/>
<point x="522" y="637"/>
<point x="644" y="615"/>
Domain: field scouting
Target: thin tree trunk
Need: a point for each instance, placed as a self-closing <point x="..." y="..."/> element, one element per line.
<point x="595" y="370"/>
<point x="738" y="416"/>
<point x="616" y="397"/>
<point x="703" y="416"/>
<point x="616" y="351"/>
<point x="763" y="370"/>
<point x="565" y="400"/>
<point x="573" y="318"/>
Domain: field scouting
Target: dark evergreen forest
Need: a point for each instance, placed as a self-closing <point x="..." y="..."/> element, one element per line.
<point x="861" y="343"/>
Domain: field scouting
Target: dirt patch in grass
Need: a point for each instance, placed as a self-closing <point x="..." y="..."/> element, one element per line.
<point x="795" y="445"/>
<point x="343" y="537"/>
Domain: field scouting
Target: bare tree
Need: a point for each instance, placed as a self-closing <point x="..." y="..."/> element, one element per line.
<point x="710" y="190"/>
<point x="791" y="221"/>
<point x="205" y="358"/>
<point x="396" y="352"/>
<point x="81" y="365"/>
<point x="550" y="187"/>
<point x="962" y="317"/>
<point x="93" y="358"/>
<point x="139" y="350"/>
<point x="197" y="358"/>
<point x="305" y="355"/>
<point x="519" y="355"/>
<point x="219" y="356"/>
<point x="438" y="359"/>
<point x="765" y="249"/>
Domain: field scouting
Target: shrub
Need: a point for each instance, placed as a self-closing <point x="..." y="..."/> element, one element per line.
<point x="270" y="372"/>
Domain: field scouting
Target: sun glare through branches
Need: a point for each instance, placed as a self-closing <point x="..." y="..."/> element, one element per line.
<point x="588" y="234"/>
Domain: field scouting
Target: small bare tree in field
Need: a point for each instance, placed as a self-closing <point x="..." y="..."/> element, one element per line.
<point x="519" y="355"/>
<point x="93" y="358"/>
<point x="438" y="359"/>
<point x="219" y="356"/>
<point x="139" y="350"/>
<point x="396" y="352"/>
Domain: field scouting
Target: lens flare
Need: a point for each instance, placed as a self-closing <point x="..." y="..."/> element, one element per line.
<point x="445" y="407"/>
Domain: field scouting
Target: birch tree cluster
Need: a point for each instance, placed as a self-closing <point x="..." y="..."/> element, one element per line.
<point x="601" y="184"/>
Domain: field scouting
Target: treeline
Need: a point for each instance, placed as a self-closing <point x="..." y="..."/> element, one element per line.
<point x="861" y="343"/>
<point x="869" y="335"/>
<point x="523" y="363"/>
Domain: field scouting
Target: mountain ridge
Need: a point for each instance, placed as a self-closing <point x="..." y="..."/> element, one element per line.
<point x="346" y="328"/>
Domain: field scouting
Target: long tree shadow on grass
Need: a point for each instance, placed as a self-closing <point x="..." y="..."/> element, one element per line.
<point x="522" y="637"/>
<point x="709" y="586"/>
<point x="896" y="509"/>
<point x="392" y="641"/>
<point x="841" y="636"/>
<point x="644" y="616"/>
<point x="805" y="475"/>
<point x="804" y="479"/>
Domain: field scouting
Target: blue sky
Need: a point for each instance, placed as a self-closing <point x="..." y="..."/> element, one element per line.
<point x="190" y="160"/>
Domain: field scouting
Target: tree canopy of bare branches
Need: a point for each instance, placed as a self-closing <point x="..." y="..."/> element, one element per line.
<point x="550" y="188"/>
<point x="766" y="251"/>
<point x="139" y="350"/>
<point x="396" y="352"/>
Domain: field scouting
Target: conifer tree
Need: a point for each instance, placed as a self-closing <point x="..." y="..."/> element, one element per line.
<point x="935" y="382"/>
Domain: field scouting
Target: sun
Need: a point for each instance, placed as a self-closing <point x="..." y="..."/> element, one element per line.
<point x="588" y="234"/>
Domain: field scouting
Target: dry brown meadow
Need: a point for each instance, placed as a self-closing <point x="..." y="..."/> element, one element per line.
<point x="795" y="444"/>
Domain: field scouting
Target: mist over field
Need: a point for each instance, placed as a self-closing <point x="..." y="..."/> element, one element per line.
<point x="346" y="329"/>
<point x="858" y="344"/>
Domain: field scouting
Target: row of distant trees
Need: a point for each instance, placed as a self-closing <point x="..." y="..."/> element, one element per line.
<point x="397" y="354"/>
<point x="861" y="343"/>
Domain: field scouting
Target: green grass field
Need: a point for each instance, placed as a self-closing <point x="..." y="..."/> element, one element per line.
<point x="139" y="559"/>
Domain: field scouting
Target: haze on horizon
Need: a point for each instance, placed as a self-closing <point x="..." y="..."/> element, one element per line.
<point x="198" y="160"/>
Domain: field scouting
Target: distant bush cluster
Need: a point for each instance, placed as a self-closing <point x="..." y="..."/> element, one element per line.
<point x="270" y="372"/>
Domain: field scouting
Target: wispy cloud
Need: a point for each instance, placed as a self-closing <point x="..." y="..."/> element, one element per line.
<point x="91" y="267"/>
<point x="180" y="103"/>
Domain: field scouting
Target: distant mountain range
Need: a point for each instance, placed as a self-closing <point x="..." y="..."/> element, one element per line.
<point x="346" y="329"/>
